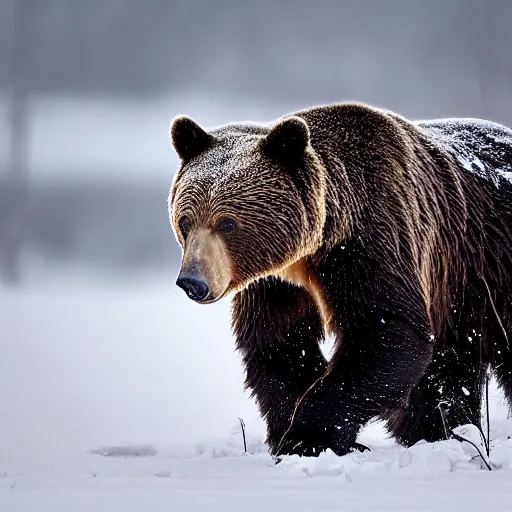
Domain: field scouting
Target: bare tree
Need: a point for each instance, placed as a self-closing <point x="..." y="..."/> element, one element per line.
<point x="15" y="193"/>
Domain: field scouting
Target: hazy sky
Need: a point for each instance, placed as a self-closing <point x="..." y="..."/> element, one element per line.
<point x="105" y="77"/>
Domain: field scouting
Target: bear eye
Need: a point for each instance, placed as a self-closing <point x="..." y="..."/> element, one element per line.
<point x="185" y="225"/>
<point x="227" y="226"/>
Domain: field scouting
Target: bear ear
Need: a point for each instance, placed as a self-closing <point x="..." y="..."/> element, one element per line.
<point x="288" y="139"/>
<point x="188" y="138"/>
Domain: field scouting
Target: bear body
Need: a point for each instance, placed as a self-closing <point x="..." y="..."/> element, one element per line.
<point x="393" y="236"/>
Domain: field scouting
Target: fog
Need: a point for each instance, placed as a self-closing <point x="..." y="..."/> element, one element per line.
<point x="98" y="345"/>
<point x="97" y="84"/>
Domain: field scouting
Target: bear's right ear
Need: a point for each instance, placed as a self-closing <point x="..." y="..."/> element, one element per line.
<point x="188" y="138"/>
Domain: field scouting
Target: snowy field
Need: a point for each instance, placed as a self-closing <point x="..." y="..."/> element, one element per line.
<point x="127" y="398"/>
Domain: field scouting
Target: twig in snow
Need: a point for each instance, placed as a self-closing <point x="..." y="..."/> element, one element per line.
<point x="242" y="424"/>
<point x="463" y="439"/>
<point x="485" y="439"/>
<point x="442" y="406"/>
<point x="496" y="312"/>
<point x="488" y="444"/>
<point x="442" y="411"/>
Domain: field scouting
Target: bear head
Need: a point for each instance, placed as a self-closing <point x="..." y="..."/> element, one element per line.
<point x="247" y="202"/>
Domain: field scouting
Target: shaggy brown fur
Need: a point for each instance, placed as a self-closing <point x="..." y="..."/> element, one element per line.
<point x="394" y="236"/>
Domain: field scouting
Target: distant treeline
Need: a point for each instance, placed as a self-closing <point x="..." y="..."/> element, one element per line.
<point x="104" y="225"/>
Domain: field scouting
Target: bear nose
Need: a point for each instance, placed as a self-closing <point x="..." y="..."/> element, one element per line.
<point x="195" y="288"/>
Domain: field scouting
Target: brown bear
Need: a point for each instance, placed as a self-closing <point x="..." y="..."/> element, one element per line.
<point x="393" y="236"/>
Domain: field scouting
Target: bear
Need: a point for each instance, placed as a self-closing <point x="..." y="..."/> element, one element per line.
<point x="392" y="236"/>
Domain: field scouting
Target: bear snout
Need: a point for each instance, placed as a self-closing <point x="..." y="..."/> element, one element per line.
<point x="194" y="287"/>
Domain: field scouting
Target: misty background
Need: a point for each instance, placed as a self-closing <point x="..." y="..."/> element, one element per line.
<point x="97" y="344"/>
<point x="87" y="90"/>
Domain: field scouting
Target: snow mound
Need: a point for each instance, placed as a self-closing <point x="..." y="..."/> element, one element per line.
<point x="438" y="458"/>
<point x="329" y="464"/>
<point x="422" y="459"/>
<point x="500" y="456"/>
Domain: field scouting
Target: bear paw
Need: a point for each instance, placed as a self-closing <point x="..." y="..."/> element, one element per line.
<point x="312" y="442"/>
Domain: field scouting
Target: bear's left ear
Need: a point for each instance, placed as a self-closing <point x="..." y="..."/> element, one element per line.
<point x="288" y="139"/>
<point x="188" y="138"/>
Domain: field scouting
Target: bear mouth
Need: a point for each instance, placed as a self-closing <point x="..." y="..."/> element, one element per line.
<point x="210" y="299"/>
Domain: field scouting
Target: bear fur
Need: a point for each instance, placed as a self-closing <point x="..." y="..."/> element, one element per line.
<point x="393" y="236"/>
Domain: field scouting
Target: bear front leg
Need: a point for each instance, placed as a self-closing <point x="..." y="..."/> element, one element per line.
<point x="384" y="351"/>
<point x="277" y="331"/>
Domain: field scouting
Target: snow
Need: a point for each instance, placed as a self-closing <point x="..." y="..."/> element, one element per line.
<point x="468" y="138"/>
<point x="127" y="398"/>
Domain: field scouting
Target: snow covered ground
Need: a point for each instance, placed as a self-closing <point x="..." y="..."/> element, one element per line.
<point x="127" y="398"/>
